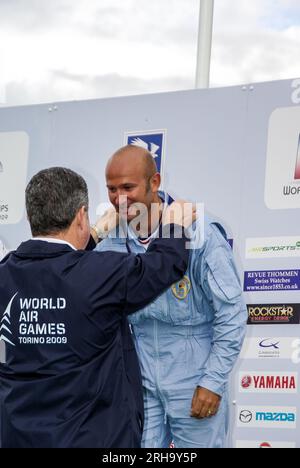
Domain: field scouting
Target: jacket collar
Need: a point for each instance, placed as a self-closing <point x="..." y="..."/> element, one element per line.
<point x="41" y="249"/>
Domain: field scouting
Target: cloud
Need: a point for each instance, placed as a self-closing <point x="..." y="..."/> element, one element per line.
<point x="67" y="86"/>
<point x="33" y="16"/>
<point x="250" y="45"/>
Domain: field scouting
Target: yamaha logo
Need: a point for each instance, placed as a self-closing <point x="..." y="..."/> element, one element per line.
<point x="246" y="381"/>
<point x="269" y="382"/>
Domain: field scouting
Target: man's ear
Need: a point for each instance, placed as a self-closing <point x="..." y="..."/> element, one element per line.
<point x="81" y="217"/>
<point x="155" y="182"/>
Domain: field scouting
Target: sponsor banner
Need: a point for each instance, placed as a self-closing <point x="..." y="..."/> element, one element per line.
<point x="271" y="348"/>
<point x="273" y="247"/>
<point x="260" y="444"/>
<point x="3" y="250"/>
<point x="268" y="382"/>
<point x="151" y="140"/>
<point x="14" y="147"/>
<point x="297" y="168"/>
<point x="272" y="280"/>
<point x="271" y="417"/>
<point x="282" y="187"/>
<point x="280" y="314"/>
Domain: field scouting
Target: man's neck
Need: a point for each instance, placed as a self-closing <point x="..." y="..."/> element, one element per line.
<point x="154" y="217"/>
<point x="68" y="236"/>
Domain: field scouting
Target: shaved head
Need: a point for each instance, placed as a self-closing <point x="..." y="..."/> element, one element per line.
<point x="139" y="159"/>
<point x="132" y="172"/>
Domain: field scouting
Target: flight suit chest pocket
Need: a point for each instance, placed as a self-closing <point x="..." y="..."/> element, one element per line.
<point x="222" y="277"/>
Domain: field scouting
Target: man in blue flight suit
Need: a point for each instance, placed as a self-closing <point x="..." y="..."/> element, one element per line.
<point x="70" y="377"/>
<point x="189" y="338"/>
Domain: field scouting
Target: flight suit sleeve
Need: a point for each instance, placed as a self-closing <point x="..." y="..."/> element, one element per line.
<point x="220" y="282"/>
<point x="151" y="273"/>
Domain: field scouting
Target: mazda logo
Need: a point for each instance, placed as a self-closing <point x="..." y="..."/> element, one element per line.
<point x="245" y="416"/>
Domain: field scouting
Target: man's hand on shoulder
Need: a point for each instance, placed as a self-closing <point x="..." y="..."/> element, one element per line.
<point x="108" y="221"/>
<point x="180" y="212"/>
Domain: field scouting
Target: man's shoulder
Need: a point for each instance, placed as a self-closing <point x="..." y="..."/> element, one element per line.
<point x="204" y="232"/>
<point x="99" y="264"/>
<point x="111" y="243"/>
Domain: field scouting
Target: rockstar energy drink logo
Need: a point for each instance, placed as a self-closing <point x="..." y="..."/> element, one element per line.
<point x="182" y="288"/>
<point x="273" y="313"/>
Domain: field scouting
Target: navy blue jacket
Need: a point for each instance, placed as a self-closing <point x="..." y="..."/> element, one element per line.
<point x="71" y="376"/>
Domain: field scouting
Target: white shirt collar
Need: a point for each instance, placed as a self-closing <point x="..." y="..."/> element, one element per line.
<point x="53" y="240"/>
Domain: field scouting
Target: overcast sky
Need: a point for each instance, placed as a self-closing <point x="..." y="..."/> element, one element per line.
<point x="53" y="50"/>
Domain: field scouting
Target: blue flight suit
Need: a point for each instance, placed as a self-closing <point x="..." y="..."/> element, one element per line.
<point x="189" y="336"/>
<point x="71" y="376"/>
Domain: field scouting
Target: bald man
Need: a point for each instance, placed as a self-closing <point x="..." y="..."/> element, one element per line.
<point x="189" y="338"/>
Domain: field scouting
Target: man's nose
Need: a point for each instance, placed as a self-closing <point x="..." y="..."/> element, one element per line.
<point x="121" y="198"/>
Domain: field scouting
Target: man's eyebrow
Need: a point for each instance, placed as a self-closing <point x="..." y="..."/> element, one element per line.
<point x="131" y="184"/>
